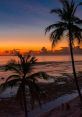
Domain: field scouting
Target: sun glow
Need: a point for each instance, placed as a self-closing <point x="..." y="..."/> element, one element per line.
<point x="25" y="43"/>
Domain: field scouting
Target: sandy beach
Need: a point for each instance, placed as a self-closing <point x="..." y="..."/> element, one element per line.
<point x="69" y="109"/>
<point x="10" y="108"/>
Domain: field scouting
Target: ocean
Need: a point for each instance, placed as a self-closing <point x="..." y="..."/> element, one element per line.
<point x="52" y="65"/>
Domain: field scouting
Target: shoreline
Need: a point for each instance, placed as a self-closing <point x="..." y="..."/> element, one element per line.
<point x="48" y="107"/>
<point x="49" y="62"/>
<point x="61" y="84"/>
<point x="59" y="90"/>
<point x="71" y="108"/>
<point x="54" y="107"/>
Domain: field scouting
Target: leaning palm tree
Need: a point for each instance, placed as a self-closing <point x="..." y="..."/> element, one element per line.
<point x="23" y="77"/>
<point x="69" y="25"/>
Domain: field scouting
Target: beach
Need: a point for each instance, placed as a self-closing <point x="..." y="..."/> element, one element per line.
<point x="73" y="110"/>
<point x="11" y="108"/>
<point x="60" y="82"/>
<point x="40" y="58"/>
<point x="64" y="106"/>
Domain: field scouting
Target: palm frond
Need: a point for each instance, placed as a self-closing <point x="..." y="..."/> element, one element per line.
<point x="26" y="61"/>
<point x="10" y="83"/>
<point x="33" y="60"/>
<point x="57" y="11"/>
<point x="59" y="24"/>
<point x="78" y="37"/>
<point x="77" y="33"/>
<point x="56" y="35"/>
<point x="12" y="67"/>
<point x="41" y="75"/>
<point x="80" y="3"/>
<point x="66" y="4"/>
<point x="78" y="21"/>
<point x="68" y="19"/>
<point x="11" y="77"/>
<point x="27" y="57"/>
<point x="50" y="28"/>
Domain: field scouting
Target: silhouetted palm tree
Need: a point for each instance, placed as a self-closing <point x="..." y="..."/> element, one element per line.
<point x="23" y="77"/>
<point x="68" y="25"/>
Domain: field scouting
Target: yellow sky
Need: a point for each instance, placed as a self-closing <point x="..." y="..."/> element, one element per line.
<point x="28" y="42"/>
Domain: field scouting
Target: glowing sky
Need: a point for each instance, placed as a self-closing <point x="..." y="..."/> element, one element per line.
<point x="23" y="23"/>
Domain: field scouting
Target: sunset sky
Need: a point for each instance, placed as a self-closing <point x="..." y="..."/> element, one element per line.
<point x="23" y="23"/>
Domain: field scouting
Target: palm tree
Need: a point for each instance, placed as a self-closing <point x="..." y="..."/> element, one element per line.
<point x="23" y="77"/>
<point x="69" y="25"/>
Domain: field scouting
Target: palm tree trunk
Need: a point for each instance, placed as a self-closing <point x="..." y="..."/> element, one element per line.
<point x="73" y="67"/>
<point x="25" y="104"/>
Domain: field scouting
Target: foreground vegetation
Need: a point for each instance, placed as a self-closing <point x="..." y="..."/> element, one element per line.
<point x="23" y="77"/>
<point x="68" y="25"/>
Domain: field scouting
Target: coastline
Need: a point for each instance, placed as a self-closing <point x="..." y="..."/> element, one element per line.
<point x="11" y="108"/>
<point x="63" y="110"/>
<point x="62" y="85"/>
<point x="6" y="108"/>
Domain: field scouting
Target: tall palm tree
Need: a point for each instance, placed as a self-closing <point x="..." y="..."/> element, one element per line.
<point x="23" y="77"/>
<point x="69" y="25"/>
